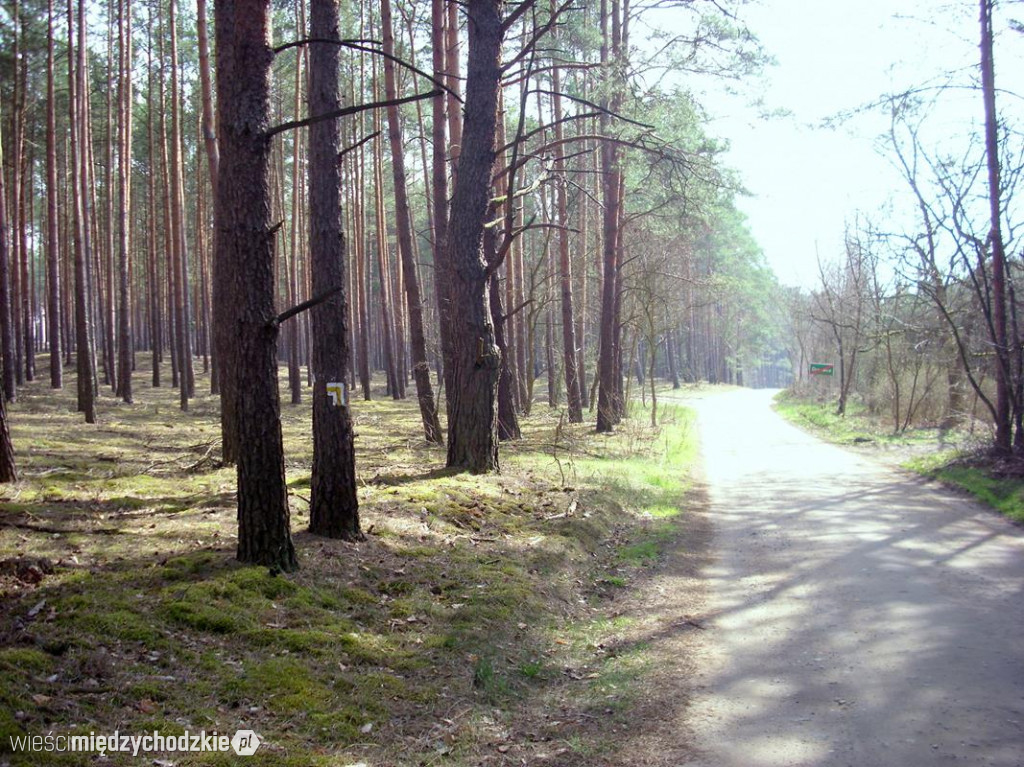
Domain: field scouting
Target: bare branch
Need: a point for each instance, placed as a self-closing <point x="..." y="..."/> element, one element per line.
<point x="298" y="308"/>
<point x="346" y="150"/>
<point x="363" y="45"/>
<point x="292" y="124"/>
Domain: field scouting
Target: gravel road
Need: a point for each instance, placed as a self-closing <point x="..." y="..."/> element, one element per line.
<point x="857" y="616"/>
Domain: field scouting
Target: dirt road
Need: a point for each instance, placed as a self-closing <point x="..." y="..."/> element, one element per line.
<point x="858" y="616"/>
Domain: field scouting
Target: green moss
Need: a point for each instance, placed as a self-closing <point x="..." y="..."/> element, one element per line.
<point x="257" y="580"/>
<point x="24" y="660"/>
<point x="282" y="684"/>
<point x="191" y="565"/>
<point x="129" y="626"/>
<point x="315" y="642"/>
<point x="297" y="756"/>
<point x="366" y="648"/>
<point x="357" y="596"/>
<point x="205" y="617"/>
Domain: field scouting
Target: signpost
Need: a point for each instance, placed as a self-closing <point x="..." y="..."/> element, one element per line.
<point x="822" y="369"/>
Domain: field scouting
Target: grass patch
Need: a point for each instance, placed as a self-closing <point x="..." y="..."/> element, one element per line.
<point x="951" y="458"/>
<point x="854" y="427"/>
<point x="979" y="477"/>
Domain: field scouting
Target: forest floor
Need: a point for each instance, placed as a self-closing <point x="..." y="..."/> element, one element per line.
<point x="537" y="616"/>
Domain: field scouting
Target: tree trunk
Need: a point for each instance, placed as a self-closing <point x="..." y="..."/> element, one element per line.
<point x="53" y="295"/>
<point x="387" y="324"/>
<point x="245" y="254"/>
<point x="8" y="470"/>
<point x="184" y="308"/>
<point x="439" y="176"/>
<point x="209" y="131"/>
<point x="206" y="91"/>
<point x="17" y="225"/>
<point x="333" y="508"/>
<point x="362" y="297"/>
<point x="471" y="354"/>
<point x="572" y="379"/>
<point x="6" y="319"/>
<point x="21" y="202"/>
<point x="420" y="367"/>
<point x="995" y="236"/>
<point x="670" y="351"/>
<point x="292" y="263"/>
<point x="124" y="171"/>
<point x="85" y="361"/>
<point x="224" y="330"/>
<point x="609" y="360"/>
<point x="153" y="268"/>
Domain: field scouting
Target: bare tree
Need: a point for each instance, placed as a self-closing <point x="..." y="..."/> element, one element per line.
<point x="841" y="305"/>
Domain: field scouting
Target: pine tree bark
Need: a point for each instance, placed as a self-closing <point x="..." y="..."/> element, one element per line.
<point x="333" y="508"/>
<point x="403" y="216"/>
<point x="17" y="225"/>
<point x="22" y="204"/>
<point x="471" y="355"/>
<point x="291" y="264"/>
<point x="8" y="469"/>
<point x="439" y="181"/>
<point x="245" y="254"/>
<point x="105" y="268"/>
<point x="206" y="93"/>
<point x="574" y="400"/>
<point x="362" y="334"/>
<point x="153" y="270"/>
<point x="186" y="369"/>
<point x="387" y="325"/>
<point x="53" y="295"/>
<point x="124" y="170"/>
<point x="86" y="364"/>
<point x="508" y="419"/>
<point x="610" y="358"/>
<point x="6" y="319"/>
<point x="209" y="131"/>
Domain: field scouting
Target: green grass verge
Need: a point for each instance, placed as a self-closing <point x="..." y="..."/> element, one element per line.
<point x="857" y="426"/>
<point x="970" y="470"/>
<point x="1004" y="494"/>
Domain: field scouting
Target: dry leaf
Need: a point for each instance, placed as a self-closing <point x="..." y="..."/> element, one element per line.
<point x="147" y="706"/>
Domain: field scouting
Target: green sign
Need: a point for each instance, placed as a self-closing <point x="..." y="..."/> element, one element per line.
<point x="822" y="369"/>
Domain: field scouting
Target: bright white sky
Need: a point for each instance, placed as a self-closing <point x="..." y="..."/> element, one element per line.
<point x="833" y="56"/>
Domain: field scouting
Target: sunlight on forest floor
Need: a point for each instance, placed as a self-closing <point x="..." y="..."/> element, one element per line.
<point x="436" y="639"/>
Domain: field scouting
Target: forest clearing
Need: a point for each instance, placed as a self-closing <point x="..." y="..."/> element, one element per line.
<point x="480" y="622"/>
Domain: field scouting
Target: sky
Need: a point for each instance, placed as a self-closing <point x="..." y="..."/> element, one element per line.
<point x="806" y="180"/>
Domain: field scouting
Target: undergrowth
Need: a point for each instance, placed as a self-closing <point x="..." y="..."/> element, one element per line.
<point x="122" y="607"/>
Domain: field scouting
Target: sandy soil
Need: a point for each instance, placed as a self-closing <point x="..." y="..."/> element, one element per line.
<point x="856" y="616"/>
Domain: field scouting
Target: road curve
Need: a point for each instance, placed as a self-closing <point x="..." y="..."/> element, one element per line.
<point x="859" y="617"/>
